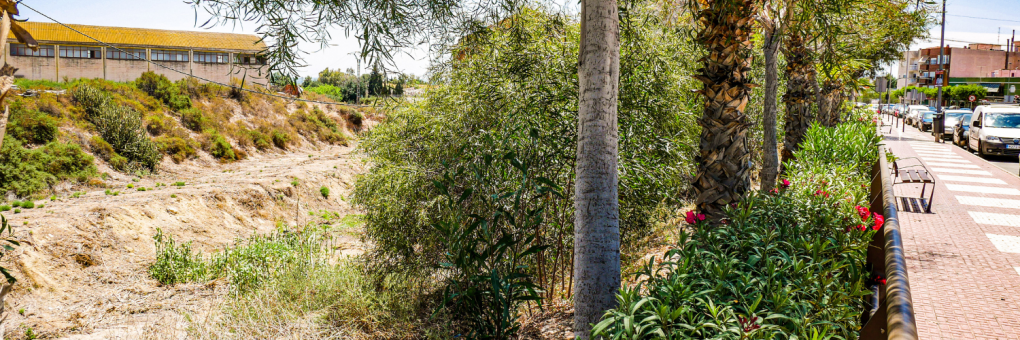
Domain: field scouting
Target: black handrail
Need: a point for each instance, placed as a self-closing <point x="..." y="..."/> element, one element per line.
<point x="894" y="316"/>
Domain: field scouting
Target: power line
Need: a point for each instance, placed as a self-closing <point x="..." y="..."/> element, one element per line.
<point x="186" y="74"/>
<point x="970" y="17"/>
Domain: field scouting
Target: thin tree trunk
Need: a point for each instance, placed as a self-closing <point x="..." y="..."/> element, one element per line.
<point x="596" y="202"/>
<point x="829" y="99"/>
<point x="724" y="160"/>
<point x="6" y="73"/>
<point x="770" y="155"/>
<point x="800" y="93"/>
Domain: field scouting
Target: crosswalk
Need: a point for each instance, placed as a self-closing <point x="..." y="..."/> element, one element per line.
<point x="965" y="179"/>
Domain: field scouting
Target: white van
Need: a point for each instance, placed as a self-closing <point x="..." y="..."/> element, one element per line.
<point x="995" y="130"/>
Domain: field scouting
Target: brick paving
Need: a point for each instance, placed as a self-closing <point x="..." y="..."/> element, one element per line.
<point x="963" y="259"/>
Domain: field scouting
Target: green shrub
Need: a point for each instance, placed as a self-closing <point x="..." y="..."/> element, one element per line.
<point x="28" y="204"/>
<point x="119" y="126"/>
<point x="260" y="140"/>
<point x="161" y="88"/>
<point x="324" y="191"/>
<point x="5" y="207"/>
<point x="31" y="127"/>
<point x="317" y="124"/>
<point x="28" y="171"/>
<point x="173" y="196"/>
<point x="176" y="263"/>
<point x="294" y="183"/>
<point x="178" y="148"/>
<point x="280" y="139"/>
<point x="179" y="184"/>
<point x="220" y="148"/>
<point x="158" y="124"/>
<point x="17" y="211"/>
<point x="194" y="120"/>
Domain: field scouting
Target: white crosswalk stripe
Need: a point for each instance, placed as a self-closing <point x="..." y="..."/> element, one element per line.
<point x="1006" y="220"/>
<point x="1005" y="243"/>
<point x="945" y="159"/>
<point x="932" y="153"/>
<point x="954" y="165"/>
<point x="985" y="180"/>
<point x="983" y="190"/>
<point x="1017" y="269"/>
<point x="989" y="202"/>
<point x="962" y="171"/>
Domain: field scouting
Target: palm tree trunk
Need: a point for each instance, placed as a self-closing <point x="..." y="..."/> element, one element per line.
<point x="828" y="111"/>
<point x="596" y="202"/>
<point x="800" y="93"/>
<point x="724" y="158"/>
<point x="770" y="155"/>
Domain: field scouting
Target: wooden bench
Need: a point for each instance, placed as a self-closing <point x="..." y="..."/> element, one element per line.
<point x="914" y="174"/>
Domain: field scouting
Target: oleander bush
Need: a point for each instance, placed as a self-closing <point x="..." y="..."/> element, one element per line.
<point x="788" y="263"/>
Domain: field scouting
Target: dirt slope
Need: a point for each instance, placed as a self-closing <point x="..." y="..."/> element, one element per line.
<point x="84" y="274"/>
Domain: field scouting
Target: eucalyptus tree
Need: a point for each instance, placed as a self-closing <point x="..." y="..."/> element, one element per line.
<point x="775" y="18"/>
<point x="724" y="160"/>
<point x="384" y="27"/>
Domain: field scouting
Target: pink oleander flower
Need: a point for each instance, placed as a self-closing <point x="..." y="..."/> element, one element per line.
<point x="774" y="191"/>
<point x="701" y="217"/>
<point x="690" y="217"/>
<point x="863" y="212"/>
<point x="786" y="183"/>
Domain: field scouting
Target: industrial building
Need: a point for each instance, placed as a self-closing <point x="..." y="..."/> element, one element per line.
<point x="66" y="54"/>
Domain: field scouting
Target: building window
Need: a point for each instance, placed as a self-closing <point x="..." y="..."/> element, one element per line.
<point x="21" y="50"/>
<point x="169" y="55"/>
<point x="211" y="57"/>
<point x="80" y="52"/>
<point x="125" y="54"/>
<point x="250" y="59"/>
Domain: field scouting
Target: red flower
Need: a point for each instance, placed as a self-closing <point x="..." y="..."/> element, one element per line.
<point x="863" y="212"/>
<point x="786" y="184"/>
<point x="880" y="279"/>
<point x="879" y="221"/>
<point x="774" y="191"/>
<point x="690" y="217"/>
<point x="822" y="193"/>
<point x="861" y="227"/>
<point x="701" y="217"/>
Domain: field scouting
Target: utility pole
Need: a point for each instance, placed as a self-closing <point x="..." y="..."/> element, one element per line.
<point x="941" y="80"/>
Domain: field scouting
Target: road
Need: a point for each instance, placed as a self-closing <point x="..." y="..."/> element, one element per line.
<point x="1008" y="163"/>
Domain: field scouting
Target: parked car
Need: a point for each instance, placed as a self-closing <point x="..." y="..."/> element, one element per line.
<point x="953" y="117"/>
<point x="960" y="130"/>
<point x="924" y="120"/>
<point x="995" y="130"/>
<point x="911" y="115"/>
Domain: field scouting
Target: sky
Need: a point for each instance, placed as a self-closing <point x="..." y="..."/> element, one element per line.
<point x="178" y="15"/>
<point x="974" y="21"/>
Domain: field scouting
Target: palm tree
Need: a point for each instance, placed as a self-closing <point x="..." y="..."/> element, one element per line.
<point x="596" y="198"/>
<point x="724" y="158"/>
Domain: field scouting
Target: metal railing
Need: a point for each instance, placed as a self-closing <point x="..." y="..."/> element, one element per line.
<point x="892" y="312"/>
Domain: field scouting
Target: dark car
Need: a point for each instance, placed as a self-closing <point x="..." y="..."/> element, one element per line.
<point x="926" y="118"/>
<point x="960" y="130"/>
<point x="952" y="117"/>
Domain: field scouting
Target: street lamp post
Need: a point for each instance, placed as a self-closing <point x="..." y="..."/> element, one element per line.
<point x="941" y="79"/>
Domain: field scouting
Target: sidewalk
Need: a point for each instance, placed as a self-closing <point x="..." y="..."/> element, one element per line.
<point x="963" y="259"/>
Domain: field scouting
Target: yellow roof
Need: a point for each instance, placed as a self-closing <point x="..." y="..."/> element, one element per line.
<point x="45" y="32"/>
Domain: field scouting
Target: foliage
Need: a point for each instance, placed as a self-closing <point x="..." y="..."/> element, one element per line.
<point x="178" y="148"/>
<point x="30" y="126"/>
<point x="121" y="127"/>
<point x="8" y="242"/>
<point x="487" y="251"/>
<point x="158" y="86"/>
<point x="28" y="171"/>
<point x="515" y="89"/>
<point x="786" y="264"/>
<point x="324" y="191"/>
<point x="317" y="124"/>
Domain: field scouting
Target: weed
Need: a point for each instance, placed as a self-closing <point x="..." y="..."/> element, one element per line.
<point x="17" y="211"/>
<point x="41" y="205"/>
<point x="16" y="204"/>
<point x="21" y="311"/>
<point x="324" y="191"/>
<point x="30" y="335"/>
<point x="53" y="198"/>
<point x="5" y="207"/>
<point x="130" y="185"/>
<point x="173" y="195"/>
<point x="179" y="184"/>
<point x="28" y="204"/>
<point x="294" y="182"/>
<point x="141" y="189"/>
<point x="134" y="180"/>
